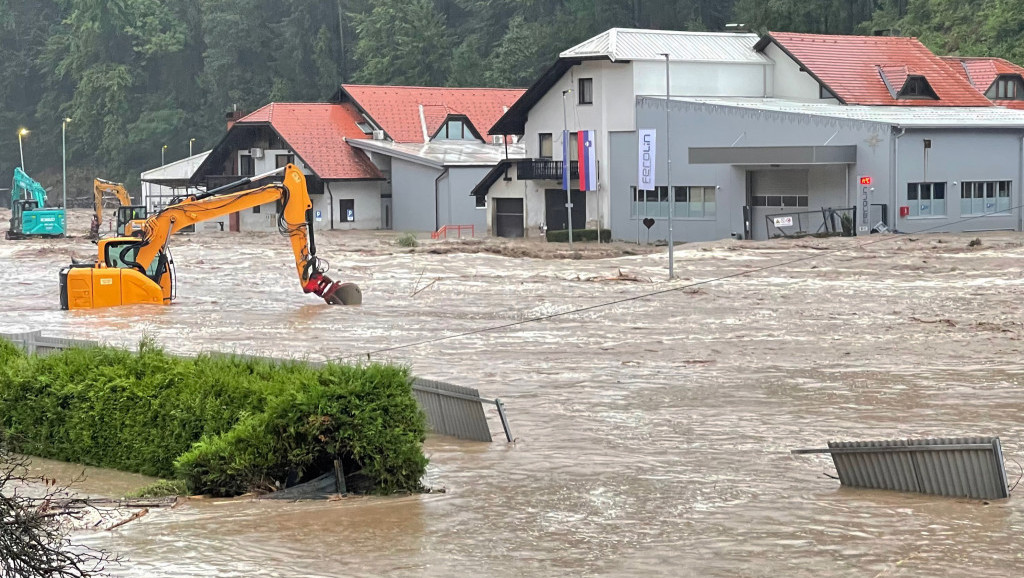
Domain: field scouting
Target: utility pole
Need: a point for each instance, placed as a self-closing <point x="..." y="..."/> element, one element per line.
<point x="668" y="155"/>
<point x="64" y="157"/>
<point x="566" y="173"/>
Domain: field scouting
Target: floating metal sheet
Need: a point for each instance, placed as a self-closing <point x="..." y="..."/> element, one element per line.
<point x="970" y="467"/>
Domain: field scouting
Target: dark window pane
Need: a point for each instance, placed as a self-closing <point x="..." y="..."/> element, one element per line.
<point x="802" y="201"/>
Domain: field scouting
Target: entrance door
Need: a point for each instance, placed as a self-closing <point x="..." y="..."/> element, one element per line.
<point x="557" y="216"/>
<point x="508" y="218"/>
<point x="385" y="213"/>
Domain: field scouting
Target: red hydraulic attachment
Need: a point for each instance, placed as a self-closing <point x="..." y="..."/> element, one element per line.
<point x="333" y="292"/>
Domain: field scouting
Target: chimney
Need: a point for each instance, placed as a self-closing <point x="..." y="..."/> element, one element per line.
<point x="233" y="115"/>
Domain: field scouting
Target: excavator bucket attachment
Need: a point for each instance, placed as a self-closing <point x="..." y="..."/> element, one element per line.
<point x="334" y="292"/>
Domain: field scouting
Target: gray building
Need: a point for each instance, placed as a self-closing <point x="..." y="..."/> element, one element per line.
<point x="759" y="168"/>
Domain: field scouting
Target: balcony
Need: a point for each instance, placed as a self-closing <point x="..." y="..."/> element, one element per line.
<point x="545" y="170"/>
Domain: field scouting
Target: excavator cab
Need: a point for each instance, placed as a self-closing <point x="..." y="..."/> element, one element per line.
<point x="118" y="279"/>
<point x="130" y="219"/>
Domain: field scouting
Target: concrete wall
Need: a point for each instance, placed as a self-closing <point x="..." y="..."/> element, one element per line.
<point x="702" y="125"/>
<point x="457" y="207"/>
<point x="367" y="208"/>
<point x="703" y="78"/>
<point x="955" y="157"/>
<point x="412" y="189"/>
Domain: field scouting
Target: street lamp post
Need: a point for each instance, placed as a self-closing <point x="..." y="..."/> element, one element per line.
<point x="162" y="150"/>
<point x="566" y="168"/>
<point x="22" y="132"/>
<point x="190" y="141"/>
<point x="668" y="155"/>
<point x="64" y="157"/>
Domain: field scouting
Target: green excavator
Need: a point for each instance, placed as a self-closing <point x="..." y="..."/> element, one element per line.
<point x="29" y="215"/>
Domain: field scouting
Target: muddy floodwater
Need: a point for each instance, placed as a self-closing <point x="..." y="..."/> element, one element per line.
<point x="653" y="436"/>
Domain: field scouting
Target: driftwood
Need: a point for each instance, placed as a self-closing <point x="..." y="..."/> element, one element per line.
<point x="78" y="503"/>
<point x="131" y="518"/>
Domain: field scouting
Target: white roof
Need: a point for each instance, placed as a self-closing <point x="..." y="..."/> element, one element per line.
<point x="179" y="169"/>
<point x="902" y="116"/>
<point x="443" y="153"/>
<point x="636" y="44"/>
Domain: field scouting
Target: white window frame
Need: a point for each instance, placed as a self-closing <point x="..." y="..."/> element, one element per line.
<point x="926" y="208"/>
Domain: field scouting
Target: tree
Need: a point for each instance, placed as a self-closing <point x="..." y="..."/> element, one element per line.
<point x="33" y="537"/>
<point x="403" y="42"/>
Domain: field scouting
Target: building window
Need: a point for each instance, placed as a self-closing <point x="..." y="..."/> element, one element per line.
<point x="926" y="199"/>
<point x="694" y="202"/>
<point x="256" y="210"/>
<point x="824" y="92"/>
<point x="574" y="146"/>
<point x="982" y="198"/>
<point x="346" y="210"/>
<point x="545" y="145"/>
<point x="481" y="201"/>
<point x="246" y="166"/>
<point x="650" y="203"/>
<point x="586" y="90"/>
<point x="1007" y="87"/>
<point x="916" y="87"/>
<point x="283" y="160"/>
<point x="779" y="200"/>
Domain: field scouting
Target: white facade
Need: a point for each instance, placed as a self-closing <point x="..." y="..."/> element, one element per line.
<point x="616" y="85"/>
<point x="790" y="81"/>
<point x="155" y="196"/>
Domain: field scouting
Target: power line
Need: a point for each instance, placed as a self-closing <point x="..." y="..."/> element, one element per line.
<point x="369" y="354"/>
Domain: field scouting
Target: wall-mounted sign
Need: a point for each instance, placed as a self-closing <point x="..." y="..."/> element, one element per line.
<point x="646" y="143"/>
<point x="782" y="221"/>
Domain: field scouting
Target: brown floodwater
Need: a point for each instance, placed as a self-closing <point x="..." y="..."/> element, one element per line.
<point x="653" y="436"/>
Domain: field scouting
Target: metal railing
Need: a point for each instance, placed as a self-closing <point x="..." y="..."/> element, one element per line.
<point x="443" y="231"/>
<point x="545" y="169"/>
<point x="833" y="222"/>
<point x="452" y="410"/>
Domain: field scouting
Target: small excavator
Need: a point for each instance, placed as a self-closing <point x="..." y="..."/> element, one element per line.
<point x="29" y="215"/>
<point x="139" y="269"/>
<point x="128" y="215"/>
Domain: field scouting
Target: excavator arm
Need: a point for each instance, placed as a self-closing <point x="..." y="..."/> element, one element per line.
<point x="147" y="256"/>
<point x="101" y="189"/>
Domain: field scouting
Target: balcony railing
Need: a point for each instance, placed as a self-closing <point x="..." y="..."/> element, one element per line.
<point x="545" y="169"/>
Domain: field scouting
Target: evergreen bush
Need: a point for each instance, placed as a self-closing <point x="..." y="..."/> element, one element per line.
<point x="223" y="424"/>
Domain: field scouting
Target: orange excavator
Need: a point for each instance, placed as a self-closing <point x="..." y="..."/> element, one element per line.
<point x="128" y="215"/>
<point x="139" y="269"/>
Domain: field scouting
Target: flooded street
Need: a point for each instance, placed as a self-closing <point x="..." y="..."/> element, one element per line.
<point x="653" y="436"/>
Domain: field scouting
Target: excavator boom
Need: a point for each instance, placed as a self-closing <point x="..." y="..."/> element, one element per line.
<point x="146" y="270"/>
<point x="127" y="213"/>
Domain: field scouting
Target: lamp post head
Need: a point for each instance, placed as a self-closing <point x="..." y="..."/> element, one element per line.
<point x="67" y="119"/>
<point x="23" y="131"/>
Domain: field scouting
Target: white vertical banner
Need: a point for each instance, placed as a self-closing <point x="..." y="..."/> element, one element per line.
<point x="646" y="143"/>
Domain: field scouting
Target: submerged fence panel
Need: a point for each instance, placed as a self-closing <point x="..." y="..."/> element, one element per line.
<point x="451" y="410"/>
<point x="969" y="467"/>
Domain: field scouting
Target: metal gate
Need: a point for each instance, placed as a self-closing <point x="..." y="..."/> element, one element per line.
<point x="508" y="218"/>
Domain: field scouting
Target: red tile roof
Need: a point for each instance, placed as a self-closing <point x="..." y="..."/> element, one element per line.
<point x="983" y="71"/>
<point x="317" y="133"/>
<point x="849" y="66"/>
<point x="396" y="109"/>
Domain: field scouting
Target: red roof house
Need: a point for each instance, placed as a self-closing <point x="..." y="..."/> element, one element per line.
<point x="410" y="114"/>
<point x="877" y="70"/>
<point x="998" y="79"/>
<point x="317" y="133"/>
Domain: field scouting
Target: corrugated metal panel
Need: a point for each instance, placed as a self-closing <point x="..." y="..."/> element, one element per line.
<point x="969" y="467"/>
<point x="920" y="117"/>
<point x="452" y="410"/>
<point x="632" y="44"/>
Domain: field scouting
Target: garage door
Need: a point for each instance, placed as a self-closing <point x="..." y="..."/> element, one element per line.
<point x="508" y="217"/>
<point x="776" y="192"/>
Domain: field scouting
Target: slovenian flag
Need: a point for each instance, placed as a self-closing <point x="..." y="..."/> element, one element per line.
<point x="588" y="160"/>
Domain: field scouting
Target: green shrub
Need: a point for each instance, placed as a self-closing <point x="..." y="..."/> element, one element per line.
<point x="579" y="235"/>
<point x="223" y="424"/>
<point x="407" y="240"/>
<point x="160" y="489"/>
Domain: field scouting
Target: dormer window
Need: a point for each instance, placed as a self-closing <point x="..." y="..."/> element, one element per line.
<point x="1007" y="87"/>
<point x="457" y="127"/>
<point x="917" y="87"/>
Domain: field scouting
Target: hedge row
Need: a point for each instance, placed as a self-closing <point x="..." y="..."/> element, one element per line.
<point x="579" y="235"/>
<point x="224" y="425"/>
